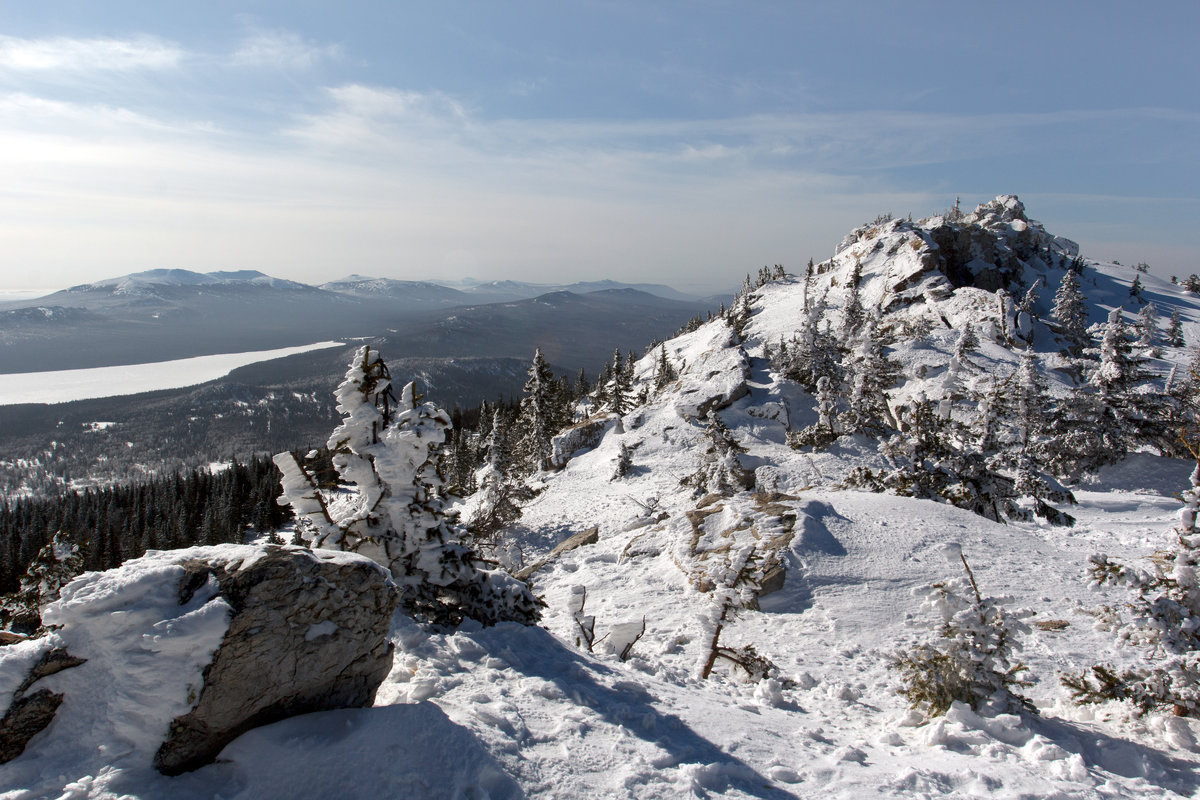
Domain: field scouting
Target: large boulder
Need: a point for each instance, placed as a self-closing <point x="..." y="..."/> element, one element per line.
<point x="308" y="632"/>
<point x="165" y="660"/>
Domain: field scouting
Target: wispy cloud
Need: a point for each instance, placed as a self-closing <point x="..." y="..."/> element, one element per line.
<point x="371" y="171"/>
<point x="62" y="54"/>
<point x="283" y="50"/>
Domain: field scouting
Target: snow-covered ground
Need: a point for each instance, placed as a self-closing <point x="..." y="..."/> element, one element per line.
<point x="510" y="712"/>
<point x="63" y="386"/>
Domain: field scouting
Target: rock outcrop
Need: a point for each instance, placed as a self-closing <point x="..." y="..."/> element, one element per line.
<point x="308" y="632"/>
<point x="30" y="713"/>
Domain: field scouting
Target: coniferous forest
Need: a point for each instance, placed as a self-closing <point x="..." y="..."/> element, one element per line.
<point x="113" y="524"/>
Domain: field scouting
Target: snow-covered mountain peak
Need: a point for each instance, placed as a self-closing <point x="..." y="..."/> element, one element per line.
<point x="151" y="281"/>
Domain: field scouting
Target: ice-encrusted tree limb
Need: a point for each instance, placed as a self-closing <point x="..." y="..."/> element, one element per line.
<point x="390" y="508"/>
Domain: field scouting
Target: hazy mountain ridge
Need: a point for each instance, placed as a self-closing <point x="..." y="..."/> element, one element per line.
<point x="172" y="313"/>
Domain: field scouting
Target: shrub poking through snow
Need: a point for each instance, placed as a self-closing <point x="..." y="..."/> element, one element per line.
<point x="720" y="471"/>
<point x="1162" y="619"/>
<point x="388" y="505"/>
<point x="972" y="658"/>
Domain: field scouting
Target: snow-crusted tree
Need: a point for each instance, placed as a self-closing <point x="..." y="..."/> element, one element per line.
<point x="388" y="506"/>
<point x="1070" y="309"/>
<point x="853" y="313"/>
<point x="664" y="372"/>
<point x="496" y="504"/>
<point x="1161" y="619"/>
<point x="619" y="386"/>
<point x="871" y="373"/>
<point x="720" y="471"/>
<point x="623" y="463"/>
<point x="825" y="430"/>
<point x="54" y="566"/>
<point x="538" y="421"/>
<point x="1027" y="313"/>
<point x="736" y="577"/>
<point x="1175" y="329"/>
<point x="812" y="353"/>
<point x="992" y="409"/>
<point x="1032" y="401"/>
<point x="1129" y="414"/>
<point x="972" y="659"/>
<point x="1082" y="435"/>
<point x="968" y="342"/>
<point x="1147" y="326"/>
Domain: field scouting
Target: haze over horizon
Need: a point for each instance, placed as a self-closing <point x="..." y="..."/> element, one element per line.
<point x="684" y="144"/>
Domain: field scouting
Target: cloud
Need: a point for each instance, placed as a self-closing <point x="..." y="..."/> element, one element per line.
<point x="378" y="122"/>
<point x="377" y="179"/>
<point x="33" y="114"/>
<point x="283" y="50"/>
<point x="61" y="54"/>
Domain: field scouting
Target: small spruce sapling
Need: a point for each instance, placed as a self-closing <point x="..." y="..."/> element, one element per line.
<point x="1161" y="619"/>
<point x="1175" y="329"/>
<point x="720" y="470"/>
<point x="972" y="659"/>
<point x="623" y="462"/>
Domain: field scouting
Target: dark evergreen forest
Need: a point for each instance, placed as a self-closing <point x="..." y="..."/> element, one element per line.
<point x="113" y="524"/>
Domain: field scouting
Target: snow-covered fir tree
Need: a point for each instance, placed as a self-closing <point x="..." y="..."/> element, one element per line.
<point x="664" y="371"/>
<point x="497" y="502"/>
<point x="54" y="566"/>
<point x="539" y="418"/>
<point x="1174" y="333"/>
<point x="720" y="471"/>
<point x="1070" y="308"/>
<point x="1147" y="326"/>
<point x="618" y="392"/>
<point x="389" y="506"/>
<point x="871" y="373"/>
<point x="1135" y="289"/>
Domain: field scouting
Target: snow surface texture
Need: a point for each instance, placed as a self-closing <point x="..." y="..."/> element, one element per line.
<point x="63" y="386"/>
<point x="513" y="711"/>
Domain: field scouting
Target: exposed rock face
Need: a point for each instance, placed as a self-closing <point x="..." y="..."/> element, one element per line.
<point x="29" y="714"/>
<point x="307" y="633"/>
<point x="579" y="437"/>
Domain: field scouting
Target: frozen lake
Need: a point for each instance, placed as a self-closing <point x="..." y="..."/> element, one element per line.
<point x="83" y="384"/>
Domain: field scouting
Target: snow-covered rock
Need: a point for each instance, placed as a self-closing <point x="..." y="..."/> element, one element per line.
<point x="168" y="658"/>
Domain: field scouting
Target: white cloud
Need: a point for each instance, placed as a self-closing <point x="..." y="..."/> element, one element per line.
<point x="62" y="54"/>
<point x="282" y="49"/>
<point x="386" y="181"/>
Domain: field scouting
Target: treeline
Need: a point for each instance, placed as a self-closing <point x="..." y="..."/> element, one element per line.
<point x="111" y="525"/>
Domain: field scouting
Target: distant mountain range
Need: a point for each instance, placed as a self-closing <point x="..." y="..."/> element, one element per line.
<point x="462" y="345"/>
<point x="475" y="292"/>
<point x="174" y="313"/>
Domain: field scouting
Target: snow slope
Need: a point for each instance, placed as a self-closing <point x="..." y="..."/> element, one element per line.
<point x="510" y="711"/>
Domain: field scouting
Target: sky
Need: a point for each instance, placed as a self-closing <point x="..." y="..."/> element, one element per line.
<point x="685" y="143"/>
